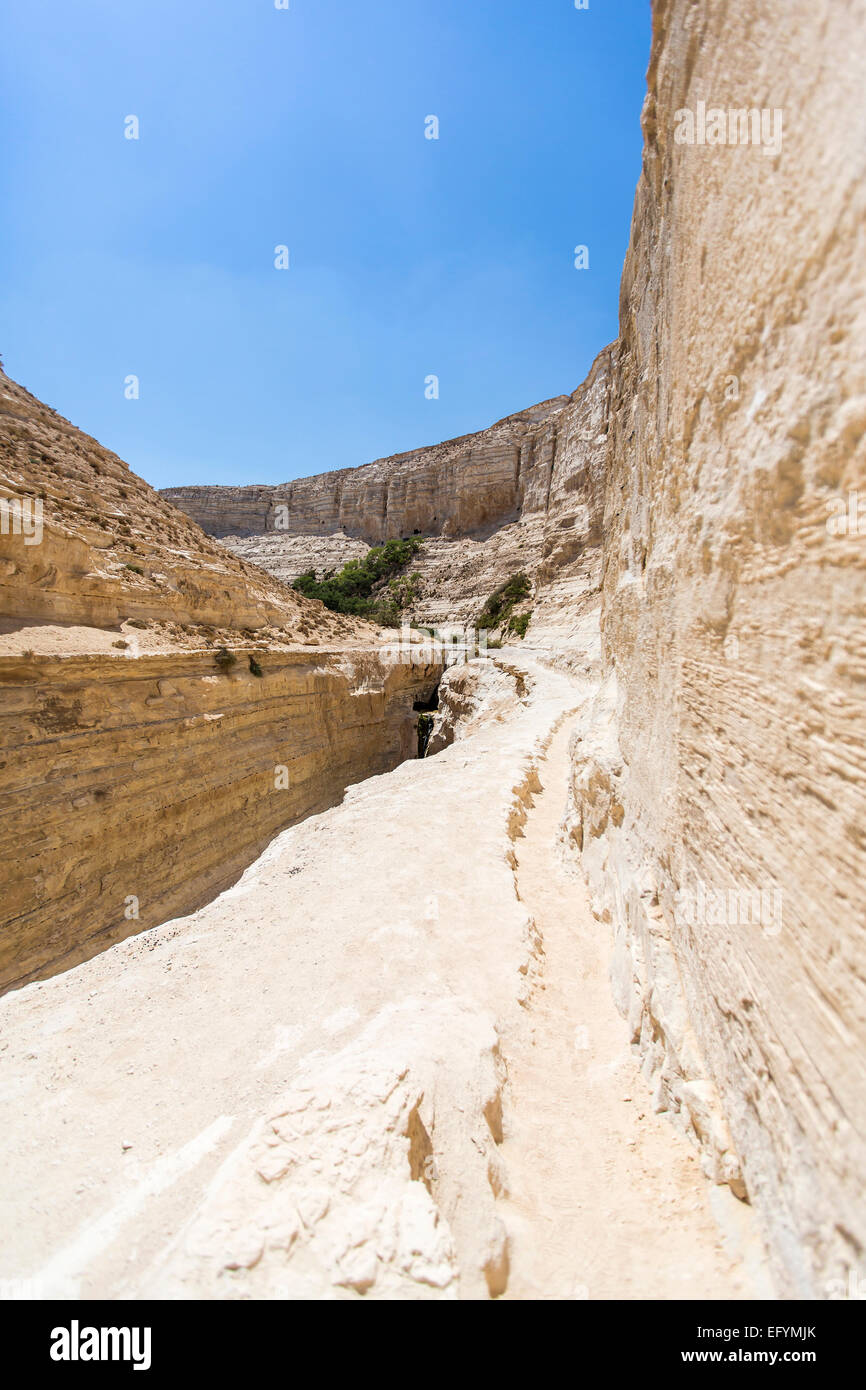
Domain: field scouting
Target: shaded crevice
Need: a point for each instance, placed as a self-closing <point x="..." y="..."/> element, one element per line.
<point x="425" y="708"/>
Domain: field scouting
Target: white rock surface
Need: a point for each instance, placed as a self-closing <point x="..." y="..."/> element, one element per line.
<point x="311" y="1072"/>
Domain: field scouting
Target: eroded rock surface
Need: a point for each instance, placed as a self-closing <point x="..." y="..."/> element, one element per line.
<point x="718" y="792"/>
<point x="135" y="789"/>
<point x="452" y="488"/>
<point x="166" y="707"/>
<point x="109" y="548"/>
<point x="546" y="523"/>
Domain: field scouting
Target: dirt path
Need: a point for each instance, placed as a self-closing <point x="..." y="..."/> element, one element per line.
<point x="607" y="1199"/>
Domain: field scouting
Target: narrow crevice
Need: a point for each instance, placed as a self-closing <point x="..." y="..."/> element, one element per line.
<point x="426" y="708"/>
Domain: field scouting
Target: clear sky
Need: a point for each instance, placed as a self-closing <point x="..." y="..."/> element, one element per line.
<point x="305" y="127"/>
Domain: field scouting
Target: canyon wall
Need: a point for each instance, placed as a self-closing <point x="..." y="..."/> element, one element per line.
<point x="718" y="787"/>
<point x="549" y="515"/>
<point x="461" y="486"/>
<point x="701" y="493"/>
<point x="135" y="790"/>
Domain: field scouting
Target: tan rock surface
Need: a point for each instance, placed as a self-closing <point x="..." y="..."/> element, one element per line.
<point x="596" y="1180"/>
<point x="137" y="788"/>
<point x="453" y="488"/>
<point x="111" y="549"/>
<point x="725" y="755"/>
<point x="139" y="775"/>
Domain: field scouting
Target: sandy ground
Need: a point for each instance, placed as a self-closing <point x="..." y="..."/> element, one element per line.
<point x="352" y="1075"/>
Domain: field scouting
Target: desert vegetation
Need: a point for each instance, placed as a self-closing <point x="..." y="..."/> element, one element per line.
<point x="375" y="587"/>
<point x="497" y="611"/>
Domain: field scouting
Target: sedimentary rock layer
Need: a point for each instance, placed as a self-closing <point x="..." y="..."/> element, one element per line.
<point x="719" y="790"/>
<point x="456" y="488"/>
<point x="137" y="789"/>
<point x="136" y="786"/>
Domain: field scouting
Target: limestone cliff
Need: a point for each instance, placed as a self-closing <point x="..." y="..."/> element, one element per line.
<point x="546" y="521"/>
<point x="719" y="786"/>
<point x="454" y="488"/>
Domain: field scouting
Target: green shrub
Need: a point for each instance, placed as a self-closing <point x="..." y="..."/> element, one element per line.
<point x="498" y="607"/>
<point x="519" y="624"/>
<point x="367" y="588"/>
<point x="255" y="668"/>
<point x="136" y="569"/>
<point x="224" y="659"/>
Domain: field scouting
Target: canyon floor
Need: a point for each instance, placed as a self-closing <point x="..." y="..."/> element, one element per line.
<point x="386" y="1063"/>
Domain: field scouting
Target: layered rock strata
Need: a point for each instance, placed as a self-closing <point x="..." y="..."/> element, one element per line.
<point x="550" y="527"/>
<point x="137" y="789"/>
<point x="453" y="488"/>
<point x="719" y="791"/>
<point x="150" y="749"/>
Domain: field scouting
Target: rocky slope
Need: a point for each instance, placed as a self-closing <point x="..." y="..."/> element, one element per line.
<point x="547" y="526"/>
<point x="718" y="788"/>
<point x="165" y="707"/>
<point x="110" y="549"/>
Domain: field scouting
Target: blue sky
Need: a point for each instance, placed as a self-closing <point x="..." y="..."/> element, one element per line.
<point x="262" y="127"/>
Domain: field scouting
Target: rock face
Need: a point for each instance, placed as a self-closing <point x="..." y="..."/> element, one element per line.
<point x="718" y="791"/>
<point x="556" y="539"/>
<point x="455" y="488"/>
<point x="137" y="789"/>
